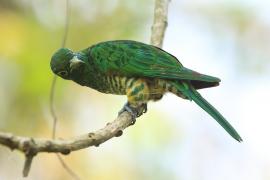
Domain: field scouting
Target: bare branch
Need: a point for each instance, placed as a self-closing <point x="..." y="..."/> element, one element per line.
<point x="160" y="22"/>
<point x="32" y="146"/>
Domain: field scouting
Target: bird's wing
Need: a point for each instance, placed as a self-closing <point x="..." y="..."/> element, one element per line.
<point x="131" y="58"/>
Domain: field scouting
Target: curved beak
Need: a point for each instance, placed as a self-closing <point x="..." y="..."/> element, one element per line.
<point x="75" y="62"/>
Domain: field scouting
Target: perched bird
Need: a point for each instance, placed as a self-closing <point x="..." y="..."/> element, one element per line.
<point x="142" y="72"/>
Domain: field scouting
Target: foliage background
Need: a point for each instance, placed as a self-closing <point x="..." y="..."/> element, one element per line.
<point x="175" y="139"/>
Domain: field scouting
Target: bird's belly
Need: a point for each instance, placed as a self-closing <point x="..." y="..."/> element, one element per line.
<point x="156" y="92"/>
<point x="113" y="85"/>
<point x="120" y="85"/>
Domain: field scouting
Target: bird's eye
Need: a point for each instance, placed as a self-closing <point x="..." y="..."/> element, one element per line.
<point x="63" y="73"/>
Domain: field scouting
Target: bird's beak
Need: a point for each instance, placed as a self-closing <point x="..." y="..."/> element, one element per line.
<point x="75" y="62"/>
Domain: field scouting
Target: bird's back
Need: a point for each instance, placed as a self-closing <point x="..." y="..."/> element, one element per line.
<point x="136" y="59"/>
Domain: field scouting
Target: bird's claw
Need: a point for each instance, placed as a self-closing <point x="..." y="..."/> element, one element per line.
<point x="144" y="108"/>
<point x="134" y="111"/>
<point x="129" y="109"/>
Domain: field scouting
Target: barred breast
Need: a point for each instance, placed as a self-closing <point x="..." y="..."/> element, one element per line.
<point x="117" y="84"/>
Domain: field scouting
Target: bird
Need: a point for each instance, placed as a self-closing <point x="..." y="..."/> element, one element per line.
<point x="140" y="71"/>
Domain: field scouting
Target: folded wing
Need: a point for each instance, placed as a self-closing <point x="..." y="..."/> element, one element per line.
<point x="131" y="58"/>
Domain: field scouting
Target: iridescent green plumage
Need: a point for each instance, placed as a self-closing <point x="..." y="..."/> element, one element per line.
<point x="142" y="72"/>
<point x="130" y="58"/>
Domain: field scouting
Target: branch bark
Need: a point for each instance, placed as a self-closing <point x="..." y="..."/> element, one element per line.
<point x="160" y="22"/>
<point x="32" y="146"/>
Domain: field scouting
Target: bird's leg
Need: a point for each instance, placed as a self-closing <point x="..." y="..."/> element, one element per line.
<point x="137" y="93"/>
<point x="135" y="111"/>
<point x="144" y="105"/>
<point x="140" y="109"/>
<point x="129" y="109"/>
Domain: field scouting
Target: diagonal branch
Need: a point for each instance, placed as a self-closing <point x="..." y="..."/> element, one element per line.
<point x="32" y="146"/>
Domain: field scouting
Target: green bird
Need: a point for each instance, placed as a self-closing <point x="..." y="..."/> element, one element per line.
<point x="142" y="72"/>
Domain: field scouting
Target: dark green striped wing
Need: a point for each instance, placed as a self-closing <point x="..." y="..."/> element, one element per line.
<point x="135" y="59"/>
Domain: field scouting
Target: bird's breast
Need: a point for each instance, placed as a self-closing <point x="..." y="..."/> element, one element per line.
<point x="113" y="84"/>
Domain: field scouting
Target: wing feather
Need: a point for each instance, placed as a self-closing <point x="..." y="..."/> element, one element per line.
<point x="131" y="58"/>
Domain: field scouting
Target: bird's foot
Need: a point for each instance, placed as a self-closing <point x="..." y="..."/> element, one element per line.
<point x="134" y="111"/>
<point x="131" y="110"/>
<point x="144" y="108"/>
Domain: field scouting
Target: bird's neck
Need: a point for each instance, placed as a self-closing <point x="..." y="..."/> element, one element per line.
<point x="87" y="75"/>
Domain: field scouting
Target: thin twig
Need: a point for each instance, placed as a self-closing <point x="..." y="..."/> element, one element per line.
<point x="52" y="92"/>
<point x="67" y="21"/>
<point x="67" y="168"/>
<point x="52" y="109"/>
<point x="63" y="44"/>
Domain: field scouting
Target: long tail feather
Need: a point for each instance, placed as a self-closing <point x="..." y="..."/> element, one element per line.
<point x="194" y="95"/>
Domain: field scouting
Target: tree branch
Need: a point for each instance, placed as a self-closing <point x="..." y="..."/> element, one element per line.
<point x="160" y="22"/>
<point x="32" y="146"/>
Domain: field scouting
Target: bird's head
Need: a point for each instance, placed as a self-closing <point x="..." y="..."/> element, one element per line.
<point x="66" y="63"/>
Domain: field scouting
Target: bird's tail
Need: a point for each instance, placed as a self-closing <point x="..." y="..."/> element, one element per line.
<point x="187" y="90"/>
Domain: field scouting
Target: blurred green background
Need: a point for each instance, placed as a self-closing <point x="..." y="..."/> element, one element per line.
<point x="175" y="139"/>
